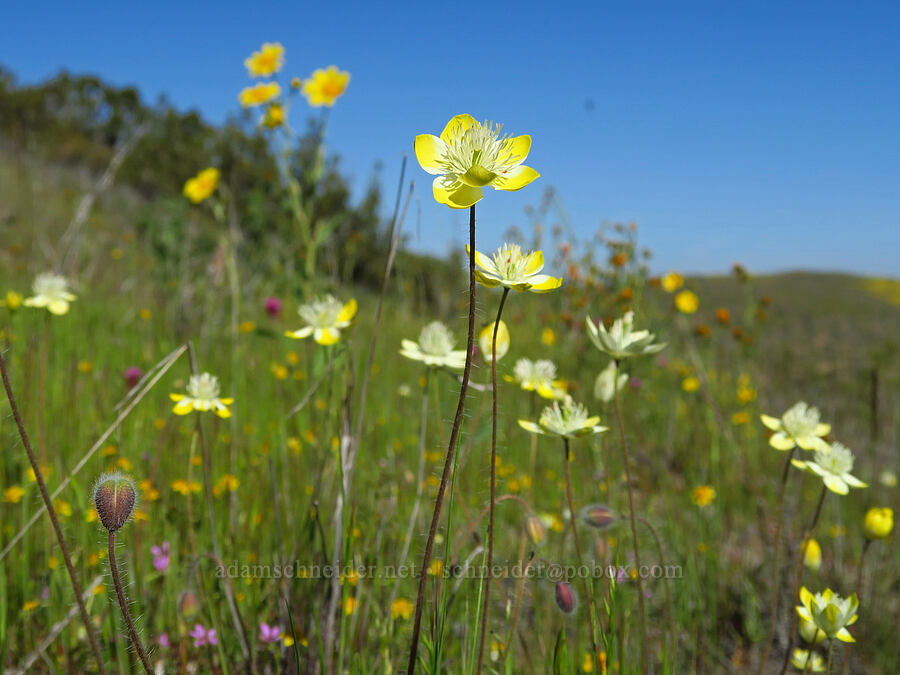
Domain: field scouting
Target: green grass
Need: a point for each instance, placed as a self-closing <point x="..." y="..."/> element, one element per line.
<point x="821" y="338"/>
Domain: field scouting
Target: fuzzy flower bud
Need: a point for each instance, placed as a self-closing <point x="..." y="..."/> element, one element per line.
<point x="114" y="498"/>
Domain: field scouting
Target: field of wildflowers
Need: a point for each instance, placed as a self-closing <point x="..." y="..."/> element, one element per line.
<point x="228" y="456"/>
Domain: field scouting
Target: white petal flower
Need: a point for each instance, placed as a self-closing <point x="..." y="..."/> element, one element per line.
<point x="325" y="317"/>
<point x="51" y="291"/>
<point x="435" y="348"/>
<point x="833" y="465"/>
<point x="622" y="341"/>
<point x="799" y="426"/>
<point x="539" y="376"/>
<point x="607" y="383"/>
<point x="511" y="269"/>
<point x="569" y="420"/>
<point x="202" y="395"/>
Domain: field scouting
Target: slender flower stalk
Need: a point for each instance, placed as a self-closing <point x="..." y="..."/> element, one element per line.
<point x="123" y="605"/>
<point x="798" y="575"/>
<point x="54" y="520"/>
<point x="776" y="547"/>
<point x="490" y="545"/>
<point x="634" y="536"/>
<point x="567" y="458"/>
<point x="451" y="447"/>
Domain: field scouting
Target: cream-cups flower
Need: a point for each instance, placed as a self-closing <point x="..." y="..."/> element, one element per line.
<point x="202" y="395"/>
<point x="51" y="292"/>
<point x="808" y="661"/>
<point x="566" y="420"/>
<point x="511" y="269"/>
<point x="539" y="376"/>
<point x="830" y="612"/>
<point x="799" y="426"/>
<point x="470" y="155"/>
<point x="486" y="341"/>
<point x="607" y="383"/>
<point x="622" y="341"/>
<point x="810" y="632"/>
<point x="325" y="317"/>
<point x="434" y="348"/>
<point x="812" y="555"/>
<point x="833" y="467"/>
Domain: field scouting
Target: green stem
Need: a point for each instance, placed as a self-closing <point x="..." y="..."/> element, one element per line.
<point x="634" y="536"/>
<point x="490" y="545"/>
<point x="776" y="547"/>
<point x="567" y="458"/>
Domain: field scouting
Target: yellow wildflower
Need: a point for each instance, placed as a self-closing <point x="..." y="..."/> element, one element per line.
<point x="510" y="269"/>
<point x="486" y="341"/>
<point x="12" y="302"/>
<point x="350" y="606"/>
<point x="258" y="94"/>
<point x="812" y="555"/>
<point x="202" y="395"/>
<point x="325" y="86"/>
<point x="30" y="605"/>
<point x="687" y="302"/>
<point x="703" y="495"/>
<point x="198" y="188"/>
<point x="671" y="282"/>
<point x="401" y="609"/>
<point x="878" y="523"/>
<point x="274" y="116"/>
<point x="13" y="494"/>
<point x="690" y="384"/>
<point x="548" y="336"/>
<point x="470" y="155"/>
<point x="267" y="61"/>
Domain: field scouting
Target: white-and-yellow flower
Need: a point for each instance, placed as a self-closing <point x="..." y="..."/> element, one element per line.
<point x="51" y="292"/>
<point x="808" y="661"/>
<point x="435" y="348"/>
<point x="325" y="318"/>
<point x="622" y="341"/>
<point x="830" y="612"/>
<point x="470" y="155"/>
<point x="202" y="395"/>
<point x="607" y="383"/>
<point x="539" y="376"/>
<point x="800" y="425"/>
<point x="510" y="269"/>
<point x="567" y="420"/>
<point x="486" y="340"/>
<point x="833" y="466"/>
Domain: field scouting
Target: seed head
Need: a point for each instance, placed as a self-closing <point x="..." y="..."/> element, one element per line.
<point x="598" y="516"/>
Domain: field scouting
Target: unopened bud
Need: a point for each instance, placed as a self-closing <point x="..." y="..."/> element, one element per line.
<point x="598" y="516"/>
<point x="535" y="530"/>
<point x="565" y="597"/>
<point x="188" y="604"/>
<point x="114" y="499"/>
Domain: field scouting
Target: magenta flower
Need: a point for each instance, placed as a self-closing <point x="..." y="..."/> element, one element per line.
<point x="273" y="307"/>
<point x="269" y="633"/>
<point x="203" y="637"/>
<point x="160" y="556"/>
<point x="132" y="376"/>
<point x="163" y="640"/>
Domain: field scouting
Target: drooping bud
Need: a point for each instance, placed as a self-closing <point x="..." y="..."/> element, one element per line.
<point x="188" y="604"/>
<point x="114" y="499"/>
<point x="598" y="516"/>
<point x="534" y="528"/>
<point x="565" y="597"/>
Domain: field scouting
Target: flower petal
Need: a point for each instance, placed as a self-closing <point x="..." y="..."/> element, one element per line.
<point x="457" y="126"/>
<point x="772" y="423"/>
<point x="300" y="334"/>
<point x="176" y="397"/>
<point x="326" y="336"/>
<point x="461" y="197"/>
<point x="534" y="262"/>
<point x="835" y="484"/>
<point x="519" y="147"/>
<point x="484" y="262"/>
<point x="348" y="311"/>
<point x="844" y="635"/>
<point x="58" y="307"/>
<point x="429" y="150"/>
<point x="542" y="283"/>
<point x="853" y="481"/>
<point x="485" y="280"/>
<point x="183" y="407"/>
<point x="514" y="179"/>
<point x="781" y="441"/>
<point x="528" y="425"/>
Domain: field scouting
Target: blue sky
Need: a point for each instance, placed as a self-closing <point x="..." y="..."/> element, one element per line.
<point x="764" y="133"/>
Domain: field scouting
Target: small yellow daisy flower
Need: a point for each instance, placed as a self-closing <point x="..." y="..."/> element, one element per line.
<point x="325" y="86"/>
<point x="687" y="302"/>
<point x="197" y="189"/>
<point x="250" y="97"/>
<point x="267" y="61"/>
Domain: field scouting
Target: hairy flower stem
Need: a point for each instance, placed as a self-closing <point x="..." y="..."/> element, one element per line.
<point x="567" y="458"/>
<point x="798" y="576"/>
<point x="776" y="547"/>
<point x="634" y="536"/>
<point x="859" y="573"/>
<point x="490" y="545"/>
<point x="123" y="605"/>
<point x="48" y="503"/>
<point x="451" y="447"/>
